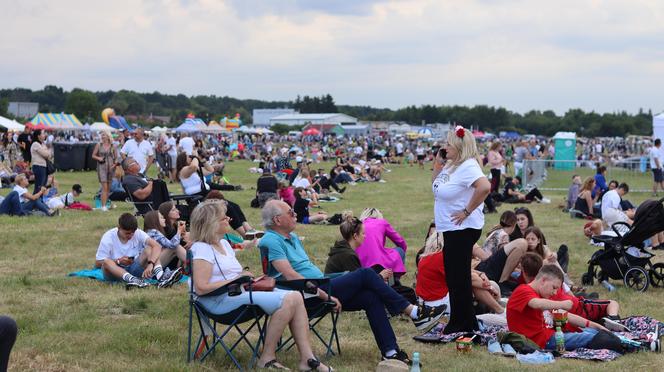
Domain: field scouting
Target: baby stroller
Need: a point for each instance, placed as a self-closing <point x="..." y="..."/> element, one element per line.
<point x="623" y="256"/>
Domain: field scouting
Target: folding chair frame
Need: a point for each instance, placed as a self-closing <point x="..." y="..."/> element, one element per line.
<point x="207" y="324"/>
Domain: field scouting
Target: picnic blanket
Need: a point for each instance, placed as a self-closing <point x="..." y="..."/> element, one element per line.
<point x="642" y="328"/>
<point x="328" y="199"/>
<point x="97" y="274"/>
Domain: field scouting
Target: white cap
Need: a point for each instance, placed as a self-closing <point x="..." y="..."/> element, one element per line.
<point x="298" y="159"/>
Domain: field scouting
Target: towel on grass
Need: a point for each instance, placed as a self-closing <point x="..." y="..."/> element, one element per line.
<point x="97" y="274"/>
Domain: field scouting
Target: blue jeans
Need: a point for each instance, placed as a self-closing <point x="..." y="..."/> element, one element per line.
<point x="574" y="340"/>
<point x="343" y="178"/>
<point x="11" y="205"/>
<point x="35" y="204"/>
<point x="40" y="177"/>
<point x="402" y="254"/>
<point x="363" y="289"/>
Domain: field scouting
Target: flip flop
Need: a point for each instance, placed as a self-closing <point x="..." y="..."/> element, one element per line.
<point x="274" y="365"/>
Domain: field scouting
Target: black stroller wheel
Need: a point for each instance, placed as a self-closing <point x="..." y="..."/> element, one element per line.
<point x="637" y="279"/>
<point x="657" y="275"/>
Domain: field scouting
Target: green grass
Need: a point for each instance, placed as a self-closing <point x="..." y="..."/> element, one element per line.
<point x="77" y="324"/>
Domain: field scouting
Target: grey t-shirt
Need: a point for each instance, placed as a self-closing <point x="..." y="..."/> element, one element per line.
<point x="520" y="153"/>
<point x="134" y="182"/>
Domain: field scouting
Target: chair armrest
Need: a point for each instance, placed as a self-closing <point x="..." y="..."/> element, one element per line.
<point x="224" y="289"/>
<point x="186" y="197"/>
<point x="309" y="286"/>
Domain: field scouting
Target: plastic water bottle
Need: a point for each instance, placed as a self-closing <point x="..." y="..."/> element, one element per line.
<point x="560" y="340"/>
<point x="416" y="362"/>
<point x="609" y="287"/>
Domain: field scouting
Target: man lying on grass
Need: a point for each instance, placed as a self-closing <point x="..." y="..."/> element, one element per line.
<point x="127" y="253"/>
<point x="525" y="312"/>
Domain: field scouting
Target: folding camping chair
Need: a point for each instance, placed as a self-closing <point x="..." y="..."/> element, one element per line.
<point x="317" y="309"/>
<point x="207" y="324"/>
<point x="184" y="203"/>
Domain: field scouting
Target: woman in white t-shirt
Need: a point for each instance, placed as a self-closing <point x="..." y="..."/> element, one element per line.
<point x="215" y="265"/>
<point x="459" y="189"/>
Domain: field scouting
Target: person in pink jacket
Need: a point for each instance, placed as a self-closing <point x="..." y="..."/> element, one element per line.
<point x="373" y="251"/>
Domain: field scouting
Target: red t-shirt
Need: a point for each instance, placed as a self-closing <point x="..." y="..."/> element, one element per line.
<point x="561" y="295"/>
<point x="525" y="320"/>
<point x="431" y="282"/>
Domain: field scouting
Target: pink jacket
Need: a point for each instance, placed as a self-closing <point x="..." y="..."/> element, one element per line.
<point x="373" y="250"/>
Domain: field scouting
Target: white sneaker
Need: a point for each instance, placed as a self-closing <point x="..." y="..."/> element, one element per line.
<point x="104" y="209"/>
<point x="545" y="201"/>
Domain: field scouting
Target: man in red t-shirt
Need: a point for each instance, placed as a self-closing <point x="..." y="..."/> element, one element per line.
<point x="528" y="301"/>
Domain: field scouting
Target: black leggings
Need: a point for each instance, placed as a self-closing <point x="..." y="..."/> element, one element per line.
<point x="495" y="180"/>
<point x="8" y="331"/>
<point x="458" y="252"/>
<point x="534" y="193"/>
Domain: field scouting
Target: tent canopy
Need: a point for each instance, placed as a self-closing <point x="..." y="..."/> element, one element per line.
<point x="56" y="121"/>
<point x="658" y="126"/>
<point x="11" y="124"/>
<point x="101" y="126"/>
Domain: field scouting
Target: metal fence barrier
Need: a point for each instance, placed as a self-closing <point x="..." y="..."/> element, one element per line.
<point x="556" y="175"/>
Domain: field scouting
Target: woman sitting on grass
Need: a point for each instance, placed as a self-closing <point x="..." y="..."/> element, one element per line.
<point x="586" y="202"/>
<point x="524" y="220"/>
<point x="215" y="265"/>
<point x="499" y="256"/>
<point x="301" y="208"/>
<point x="373" y="251"/>
<point x="154" y="224"/>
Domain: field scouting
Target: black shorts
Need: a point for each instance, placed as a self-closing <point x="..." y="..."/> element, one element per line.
<point x="494" y="265"/>
<point x="399" y="153"/>
<point x="657" y="174"/>
<point x="420" y="157"/>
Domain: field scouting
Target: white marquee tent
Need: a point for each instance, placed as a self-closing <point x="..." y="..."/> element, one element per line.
<point x="101" y="126"/>
<point x="11" y="124"/>
<point x="658" y="126"/>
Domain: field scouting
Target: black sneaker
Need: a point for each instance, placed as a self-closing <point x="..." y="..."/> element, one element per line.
<point x="342" y="190"/>
<point x="428" y="316"/>
<point x="170" y="277"/>
<point x="136" y="283"/>
<point x="401" y="356"/>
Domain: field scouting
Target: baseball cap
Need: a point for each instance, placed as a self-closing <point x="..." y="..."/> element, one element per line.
<point x="77" y="188"/>
<point x="298" y="159"/>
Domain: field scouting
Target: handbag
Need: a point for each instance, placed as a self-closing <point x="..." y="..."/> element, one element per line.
<point x="50" y="167"/>
<point x="262" y="283"/>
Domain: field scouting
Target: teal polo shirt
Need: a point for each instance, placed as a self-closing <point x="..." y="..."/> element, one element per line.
<point x="281" y="248"/>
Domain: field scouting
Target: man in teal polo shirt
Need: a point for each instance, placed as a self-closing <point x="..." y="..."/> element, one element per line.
<point x="361" y="289"/>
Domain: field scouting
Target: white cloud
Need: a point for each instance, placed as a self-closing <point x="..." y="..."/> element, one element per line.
<point x="593" y="54"/>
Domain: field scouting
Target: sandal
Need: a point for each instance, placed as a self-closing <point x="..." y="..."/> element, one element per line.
<point x="273" y="365"/>
<point x="313" y="364"/>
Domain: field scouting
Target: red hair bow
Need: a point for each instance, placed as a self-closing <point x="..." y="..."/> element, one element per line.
<point x="459" y="131"/>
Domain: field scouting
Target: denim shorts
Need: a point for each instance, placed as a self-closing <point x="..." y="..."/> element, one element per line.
<point x="267" y="301"/>
<point x="574" y="340"/>
<point x="657" y="174"/>
<point x="134" y="269"/>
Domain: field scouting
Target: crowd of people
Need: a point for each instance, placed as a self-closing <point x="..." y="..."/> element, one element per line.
<point x="512" y="278"/>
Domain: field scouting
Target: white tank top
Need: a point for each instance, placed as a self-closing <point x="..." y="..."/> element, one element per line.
<point x="191" y="184"/>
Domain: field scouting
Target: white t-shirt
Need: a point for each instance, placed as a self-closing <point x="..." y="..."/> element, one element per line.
<point x="419" y="150"/>
<point x="655" y="153"/>
<point x="229" y="265"/>
<point x="173" y="150"/>
<point x="399" y="147"/>
<point x="302" y="182"/>
<point x="139" y="152"/>
<point x="20" y="190"/>
<point x="187" y="145"/>
<point x="111" y="247"/>
<point x="611" y="210"/>
<point x="452" y="192"/>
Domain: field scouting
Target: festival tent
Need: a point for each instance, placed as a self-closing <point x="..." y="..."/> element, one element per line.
<point x="11" y="124"/>
<point x="658" y="126"/>
<point x="159" y="129"/>
<point x="56" y="121"/>
<point x="191" y="124"/>
<point x="213" y="126"/>
<point x="425" y="132"/>
<point x="118" y="122"/>
<point x="311" y="132"/>
<point x="101" y="126"/>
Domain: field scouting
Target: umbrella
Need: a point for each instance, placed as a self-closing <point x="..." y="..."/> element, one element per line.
<point x="311" y="132"/>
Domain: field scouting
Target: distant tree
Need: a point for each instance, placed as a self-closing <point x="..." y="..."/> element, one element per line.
<point x="4" y="104"/>
<point x="83" y="104"/>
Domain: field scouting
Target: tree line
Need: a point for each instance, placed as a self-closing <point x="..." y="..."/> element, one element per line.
<point x="87" y="106"/>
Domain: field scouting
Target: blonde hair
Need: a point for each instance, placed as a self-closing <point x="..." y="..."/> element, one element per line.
<point x="466" y="147"/>
<point x="586" y="184"/>
<point x="434" y="244"/>
<point x="20" y="176"/>
<point x="107" y="134"/>
<point x="204" y="221"/>
<point x="370" y="213"/>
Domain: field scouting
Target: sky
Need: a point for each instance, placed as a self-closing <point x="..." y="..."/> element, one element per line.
<point x="605" y="56"/>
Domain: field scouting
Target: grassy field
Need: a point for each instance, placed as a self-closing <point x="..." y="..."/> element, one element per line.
<point x="70" y="324"/>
